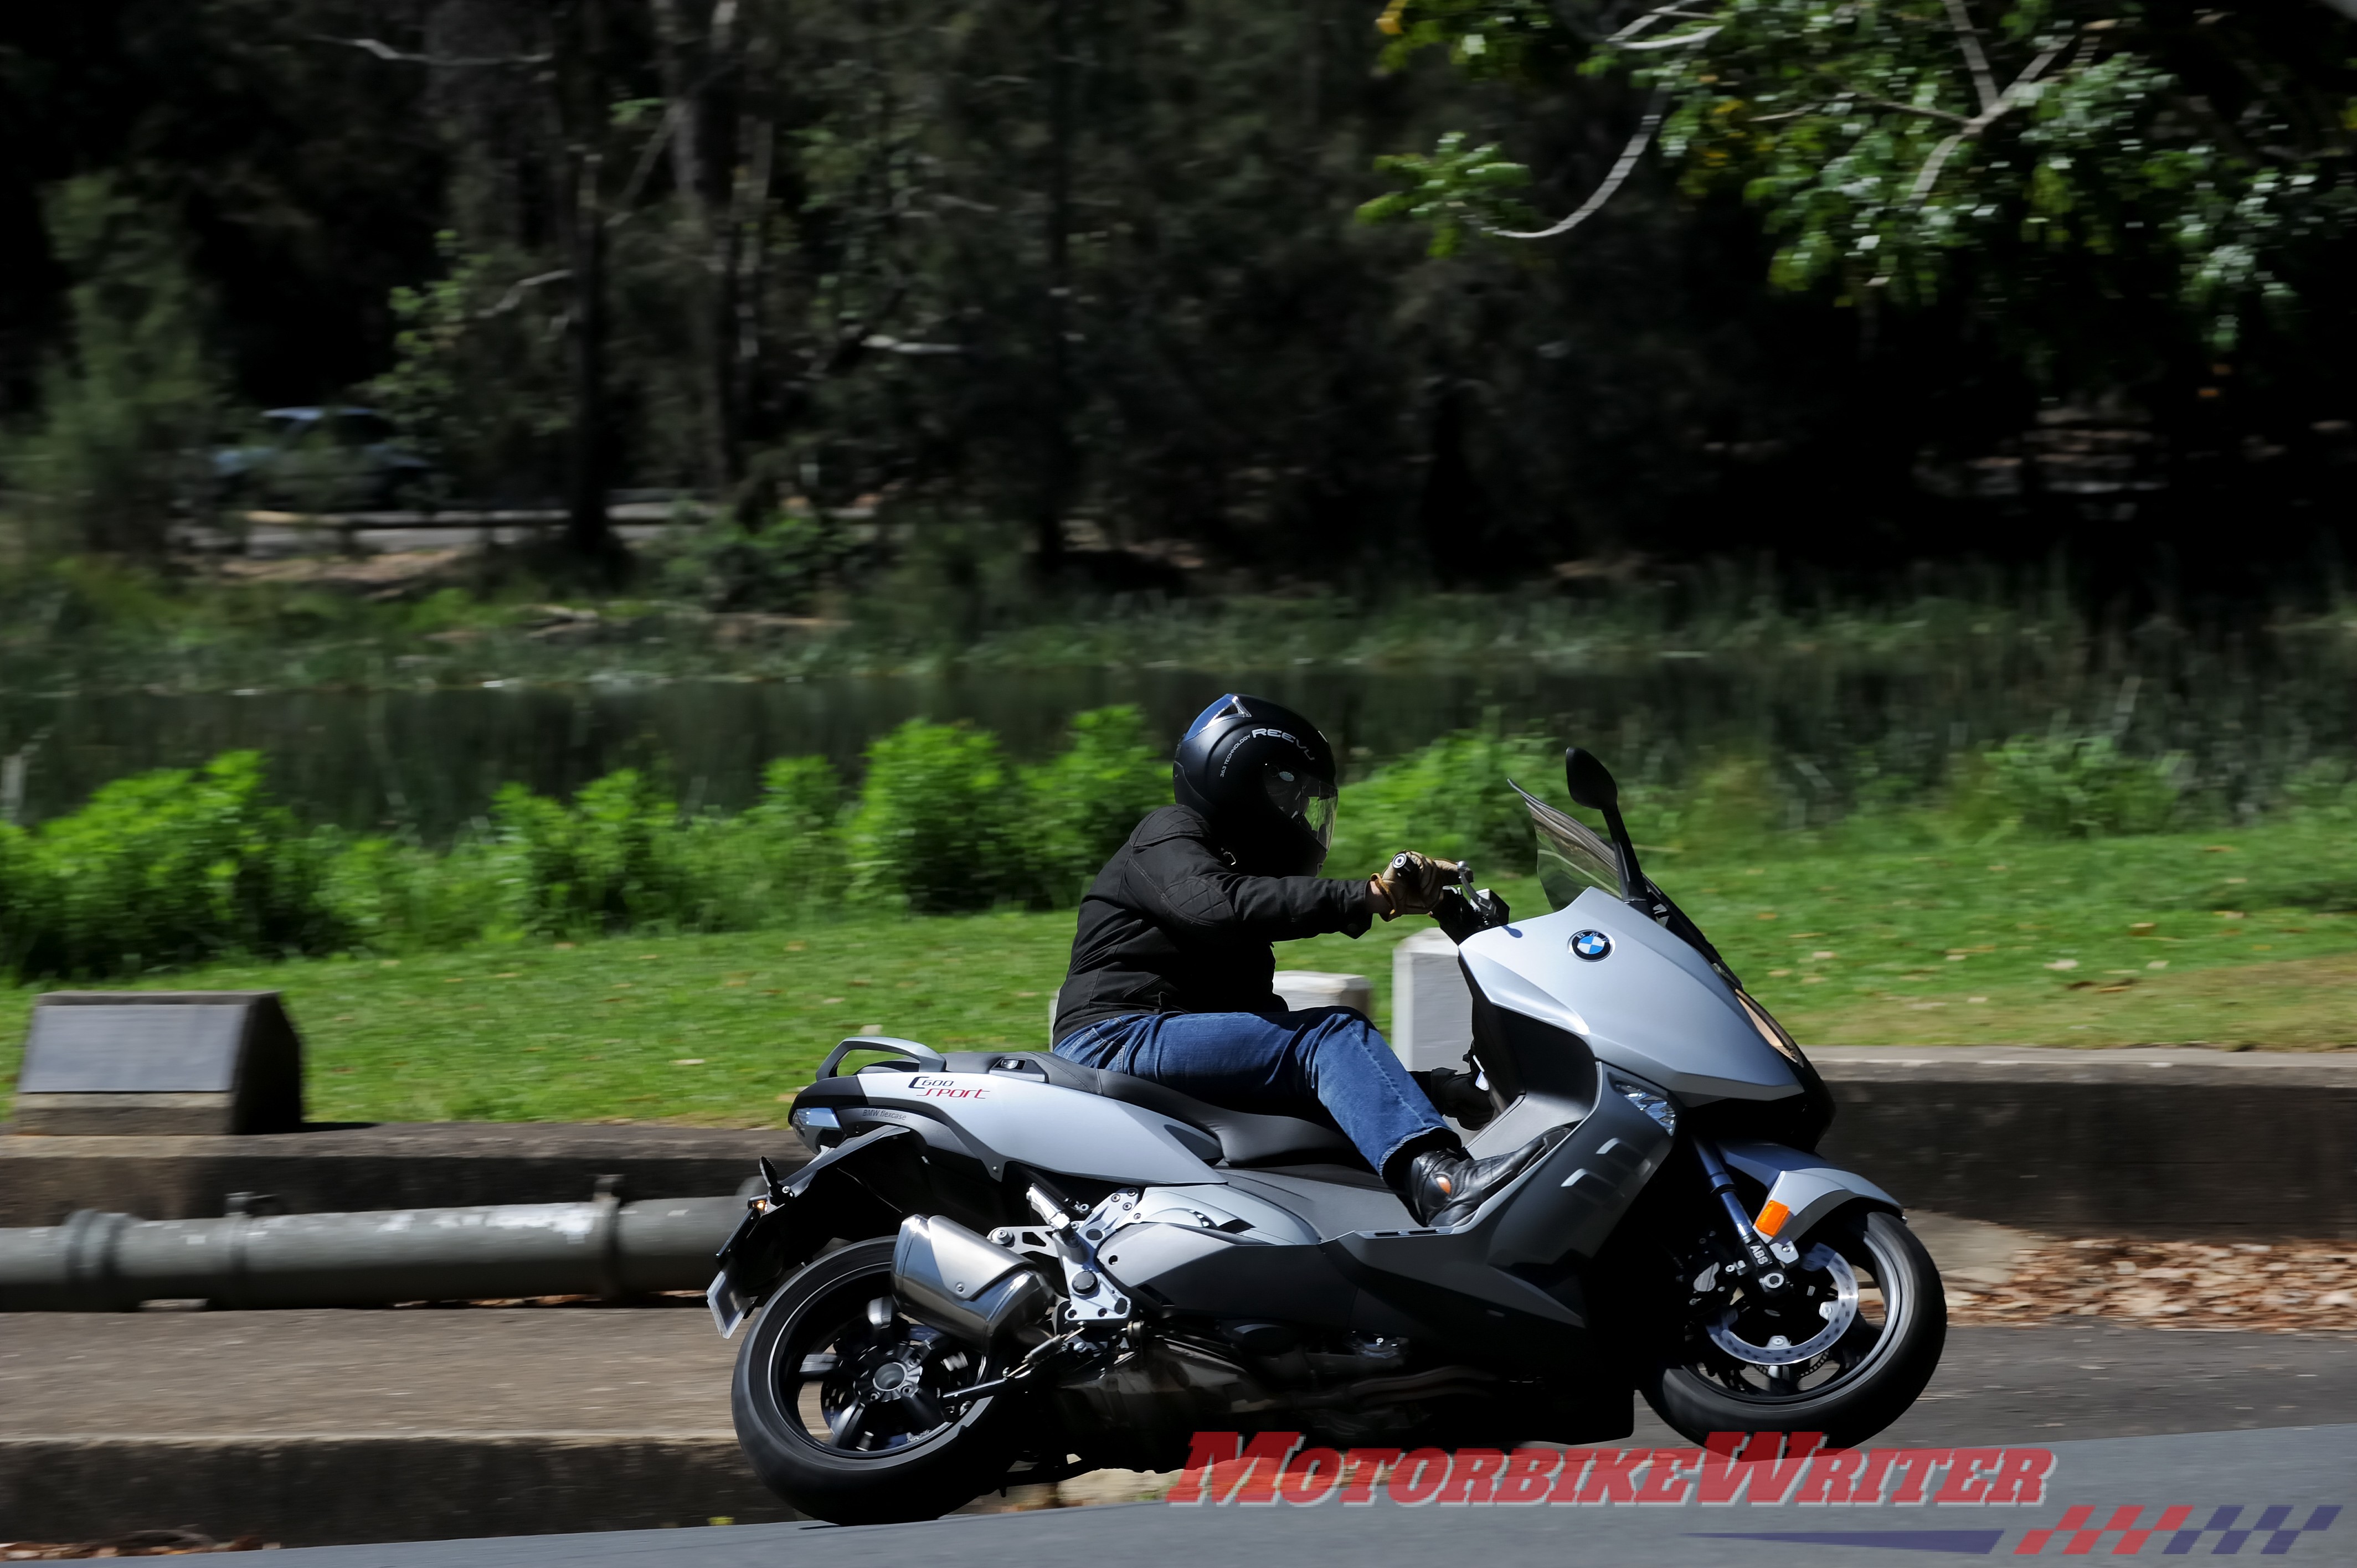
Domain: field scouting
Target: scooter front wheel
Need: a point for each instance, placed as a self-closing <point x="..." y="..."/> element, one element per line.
<point x="839" y="1399"/>
<point x="1843" y="1350"/>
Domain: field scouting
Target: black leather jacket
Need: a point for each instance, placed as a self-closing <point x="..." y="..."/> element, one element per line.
<point x="1171" y="926"/>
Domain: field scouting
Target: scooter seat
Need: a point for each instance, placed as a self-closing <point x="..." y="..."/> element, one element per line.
<point x="1245" y="1137"/>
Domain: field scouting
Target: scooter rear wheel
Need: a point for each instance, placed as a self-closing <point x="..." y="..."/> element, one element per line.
<point x="837" y="1400"/>
<point x="1883" y="1353"/>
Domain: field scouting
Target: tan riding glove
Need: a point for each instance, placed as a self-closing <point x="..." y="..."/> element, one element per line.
<point x="1410" y="885"/>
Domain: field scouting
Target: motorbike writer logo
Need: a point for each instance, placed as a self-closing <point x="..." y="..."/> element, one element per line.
<point x="1765" y="1468"/>
<point x="1768" y="1470"/>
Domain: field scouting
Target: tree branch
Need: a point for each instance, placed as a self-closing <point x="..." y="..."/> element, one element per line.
<point x="2012" y="98"/>
<point x="1968" y="39"/>
<point x="645" y="168"/>
<point x="1895" y="106"/>
<point x="385" y="51"/>
<point x="1619" y="175"/>
<point x="517" y="290"/>
<point x="1658" y="13"/>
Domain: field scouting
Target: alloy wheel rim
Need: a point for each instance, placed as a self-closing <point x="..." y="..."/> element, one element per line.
<point x="855" y="1377"/>
<point x="1873" y="1302"/>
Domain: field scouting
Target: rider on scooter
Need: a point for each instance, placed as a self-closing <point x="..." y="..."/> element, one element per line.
<point x="1172" y="969"/>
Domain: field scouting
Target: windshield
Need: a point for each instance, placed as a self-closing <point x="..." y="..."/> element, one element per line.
<point x="1572" y="856"/>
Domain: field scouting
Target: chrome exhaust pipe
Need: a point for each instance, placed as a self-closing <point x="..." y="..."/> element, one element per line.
<point x="966" y="1284"/>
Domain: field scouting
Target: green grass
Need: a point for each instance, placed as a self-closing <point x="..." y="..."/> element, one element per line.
<point x="1856" y="945"/>
<point x="706" y="1028"/>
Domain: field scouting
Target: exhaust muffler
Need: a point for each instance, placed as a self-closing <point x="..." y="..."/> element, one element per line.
<point x="967" y="1284"/>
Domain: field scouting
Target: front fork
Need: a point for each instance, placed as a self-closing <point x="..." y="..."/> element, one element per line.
<point x="1763" y="1260"/>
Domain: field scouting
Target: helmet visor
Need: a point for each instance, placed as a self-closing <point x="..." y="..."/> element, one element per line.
<point x="1306" y="799"/>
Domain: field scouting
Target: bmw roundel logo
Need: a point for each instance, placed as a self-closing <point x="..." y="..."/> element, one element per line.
<point x="1591" y="945"/>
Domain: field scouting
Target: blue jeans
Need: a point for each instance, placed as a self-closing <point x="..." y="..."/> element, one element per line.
<point x="1271" y="1062"/>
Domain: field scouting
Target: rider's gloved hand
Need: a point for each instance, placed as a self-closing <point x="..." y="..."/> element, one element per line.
<point x="1410" y="885"/>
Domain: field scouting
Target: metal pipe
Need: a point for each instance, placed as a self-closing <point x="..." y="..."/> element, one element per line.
<point x="111" y="1262"/>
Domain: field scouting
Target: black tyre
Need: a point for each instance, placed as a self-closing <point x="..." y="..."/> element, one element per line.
<point x="837" y="1404"/>
<point x="1865" y="1287"/>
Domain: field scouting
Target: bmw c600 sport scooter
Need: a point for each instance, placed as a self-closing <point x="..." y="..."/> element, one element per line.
<point x="1047" y="1269"/>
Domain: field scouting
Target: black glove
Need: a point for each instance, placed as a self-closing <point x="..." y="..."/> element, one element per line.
<point x="1456" y="1095"/>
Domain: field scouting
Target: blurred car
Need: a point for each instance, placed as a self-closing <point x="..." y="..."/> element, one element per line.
<point x="323" y="459"/>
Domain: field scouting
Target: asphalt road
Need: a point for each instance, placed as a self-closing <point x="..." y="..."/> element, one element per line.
<point x="2137" y="1416"/>
<point x="583" y="1370"/>
<point x="2291" y="1483"/>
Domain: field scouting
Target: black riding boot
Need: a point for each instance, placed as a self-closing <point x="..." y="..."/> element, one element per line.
<point x="1444" y="1185"/>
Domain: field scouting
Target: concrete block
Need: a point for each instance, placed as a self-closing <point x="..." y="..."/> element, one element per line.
<point x="1432" y="1013"/>
<point x="136" y="1062"/>
<point x="1300" y="988"/>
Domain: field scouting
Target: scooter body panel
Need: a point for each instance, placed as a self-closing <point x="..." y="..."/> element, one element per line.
<point x="1000" y="1117"/>
<point x="1648" y="1004"/>
<point x="1804" y="1186"/>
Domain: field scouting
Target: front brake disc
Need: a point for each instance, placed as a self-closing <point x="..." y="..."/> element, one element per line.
<point x="1839" y="1314"/>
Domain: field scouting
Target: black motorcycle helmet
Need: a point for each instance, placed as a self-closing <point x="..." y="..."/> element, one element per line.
<point x="1264" y="777"/>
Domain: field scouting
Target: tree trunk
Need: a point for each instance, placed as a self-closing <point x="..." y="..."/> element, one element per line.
<point x="588" y="534"/>
<point x="1056" y="460"/>
<point x="708" y="188"/>
<point x="757" y="140"/>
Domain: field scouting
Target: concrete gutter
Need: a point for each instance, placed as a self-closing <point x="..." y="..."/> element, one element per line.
<point x="2159" y="1142"/>
<point x="396" y="1166"/>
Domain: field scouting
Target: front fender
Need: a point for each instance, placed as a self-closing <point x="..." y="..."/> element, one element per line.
<point x="825" y="1199"/>
<point x="1807" y="1188"/>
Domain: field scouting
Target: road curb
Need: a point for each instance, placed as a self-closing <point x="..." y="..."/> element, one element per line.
<point x="2162" y="1142"/>
<point x="327" y="1490"/>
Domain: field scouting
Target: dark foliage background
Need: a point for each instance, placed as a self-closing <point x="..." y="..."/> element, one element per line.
<point x="1042" y="263"/>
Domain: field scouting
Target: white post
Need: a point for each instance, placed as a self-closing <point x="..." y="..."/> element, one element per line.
<point x="1301" y="988"/>
<point x="1432" y="1011"/>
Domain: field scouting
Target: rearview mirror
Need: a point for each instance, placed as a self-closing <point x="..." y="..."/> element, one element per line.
<point x="1589" y="781"/>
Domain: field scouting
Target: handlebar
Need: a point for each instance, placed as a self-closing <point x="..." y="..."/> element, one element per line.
<point x="1462" y="912"/>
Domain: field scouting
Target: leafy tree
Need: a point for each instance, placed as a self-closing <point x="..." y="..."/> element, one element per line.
<point x="2042" y="154"/>
<point x="128" y="403"/>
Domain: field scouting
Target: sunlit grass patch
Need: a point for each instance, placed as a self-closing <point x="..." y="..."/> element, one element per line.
<point x="2228" y="938"/>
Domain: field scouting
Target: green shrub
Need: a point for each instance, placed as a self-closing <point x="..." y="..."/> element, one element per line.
<point x="2325" y="788"/>
<point x="614" y="860"/>
<point x="1082" y="806"/>
<point x="2074" y="786"/>
<point x="780" y="861"/>
<point x="934" y="830"/>
<point x="26" y="900"/>
<point x="181" y="866"/>
<point x="401" y="897"/>
<point x="169" y="867"/>
<point x="1450" y="799"/>
<point x="1733" y="804"/>
<point x="729" y="566"/>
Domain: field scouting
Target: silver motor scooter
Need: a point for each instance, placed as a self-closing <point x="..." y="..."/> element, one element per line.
<point x="1045" y="1268"/>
